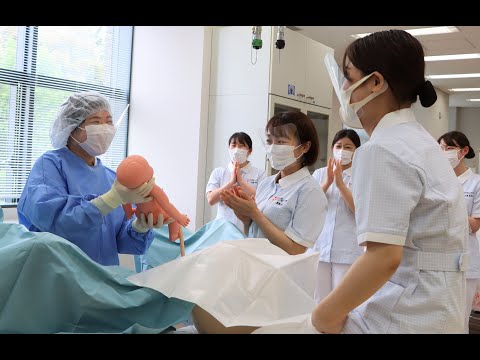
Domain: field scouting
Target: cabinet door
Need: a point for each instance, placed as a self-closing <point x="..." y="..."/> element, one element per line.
<point x="320" y="118"/>
<point x="318" y="87"/>
<point x="288" y="66"/>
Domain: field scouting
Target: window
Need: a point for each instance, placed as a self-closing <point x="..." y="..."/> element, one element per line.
<point x="40" y="66"/>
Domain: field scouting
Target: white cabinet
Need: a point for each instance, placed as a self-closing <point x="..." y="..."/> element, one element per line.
<point x="288" y="66"/>
<point x="320" y="117"/>
<point x="298" y="71"/>
<point x="245" y="94"/>
<point x="318" y="87"/>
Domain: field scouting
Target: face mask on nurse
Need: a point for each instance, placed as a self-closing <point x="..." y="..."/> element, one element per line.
<point x="344" y="155"/>
<point x="238" y="154"/>
<point x="452" y="156"/>
<point x="99" y="136"/>
<point x="281" y="156"/>
<point x="350" y="113"/>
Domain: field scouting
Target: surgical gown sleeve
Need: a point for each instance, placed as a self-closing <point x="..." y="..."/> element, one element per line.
<point x="141" y="241"/>
<point x="49" y="206"/>
<point x="53" y="203"/>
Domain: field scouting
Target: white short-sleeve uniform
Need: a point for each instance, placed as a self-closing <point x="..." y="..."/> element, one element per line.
<point x="337" y="244"/>
<point x="222" y="175"/>
<point x="405" y="193"/>
<point x="471" y="190"/>
<point x="296" y="205"/>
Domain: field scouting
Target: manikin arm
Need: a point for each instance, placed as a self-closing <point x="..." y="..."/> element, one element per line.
<point x="162" y="199"/>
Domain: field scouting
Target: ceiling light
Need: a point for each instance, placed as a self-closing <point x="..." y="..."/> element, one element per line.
<point x="453" y="76"/>
<point x="473" y="99"/>
<point x="452" y="57"/>
<point x="432" y="30"/>
<point x="421" y="31"/>
<point x="464" y="89"/>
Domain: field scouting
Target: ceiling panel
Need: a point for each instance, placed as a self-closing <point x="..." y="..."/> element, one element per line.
<point x="452" y="67"/>
<point x="447" y="46"/>
<point x="466" y="40"/>
<point x="472" y="34"/>
<point x="456" y="83"/>
<point x="461" y="100"/>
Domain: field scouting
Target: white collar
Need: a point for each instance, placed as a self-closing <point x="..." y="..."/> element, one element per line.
<point x="348" y="171"/>
<point x="292" y="178"/>
<point x="394" y="118"/>
<point x="465" y="176"/>
<point x="244" y="169"/>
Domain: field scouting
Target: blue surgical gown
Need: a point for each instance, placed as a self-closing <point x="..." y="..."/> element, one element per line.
<point x="56" y="199"/>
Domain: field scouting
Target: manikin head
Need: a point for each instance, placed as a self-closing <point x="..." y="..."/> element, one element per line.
<point x="133" y="171"/>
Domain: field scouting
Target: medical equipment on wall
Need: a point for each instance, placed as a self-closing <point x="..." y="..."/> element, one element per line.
<point x="256" y="41"/>
<point x="280" y="43"/>
<point x="257" y="37"/>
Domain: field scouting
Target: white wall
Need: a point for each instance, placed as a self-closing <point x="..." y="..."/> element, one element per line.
<point x="468" y="122"/>
<point x="238" y="97"/>
<point x="169" y="110"/>
<point x="452" y="118"/>
<point x="10" y="215"/>
<point x="434" y="119"/>
<point x="335" y="123"/>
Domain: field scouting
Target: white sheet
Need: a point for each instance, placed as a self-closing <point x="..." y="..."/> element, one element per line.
<point x="243" y="282"/>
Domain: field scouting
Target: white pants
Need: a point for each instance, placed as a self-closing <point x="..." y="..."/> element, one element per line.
<point x="472" y="286"/>
<point x="329" y="276"/>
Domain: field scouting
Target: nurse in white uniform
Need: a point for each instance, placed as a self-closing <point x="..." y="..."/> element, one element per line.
<point x="239" y="171"/>
<point x="289" y="208"/>
<point x="409" y="207"/>
<point x="457" y="147"/>
<point x="337" y="244"/>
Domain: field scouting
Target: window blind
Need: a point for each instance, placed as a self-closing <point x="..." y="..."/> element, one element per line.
<point x="40" y="66"/>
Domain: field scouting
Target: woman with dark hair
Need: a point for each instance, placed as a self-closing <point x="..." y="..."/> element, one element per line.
<point x="456" y="147"/>
<point x="409" y="207"/>
<point x="337" y="243"/>
<point x="239" y="172"/>
<point x="289" y="208"/>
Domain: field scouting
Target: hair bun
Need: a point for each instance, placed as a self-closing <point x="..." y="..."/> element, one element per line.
<point x="471" y="153"/>
<point x="427" y="94"/>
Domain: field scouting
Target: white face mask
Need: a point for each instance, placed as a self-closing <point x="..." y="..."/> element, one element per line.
<point x="99" y="138"/>
<point x="344" y="155"/>
<point x="281" y="156"/>
<point x="349" y="113"/>
<point x="238" y="154"/>
<point x="452" y="156"/>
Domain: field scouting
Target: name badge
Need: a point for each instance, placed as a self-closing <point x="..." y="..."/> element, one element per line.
<point x="278" y="200"/>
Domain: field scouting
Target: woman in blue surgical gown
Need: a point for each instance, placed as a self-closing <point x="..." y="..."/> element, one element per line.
<point x="70" y="193"/>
